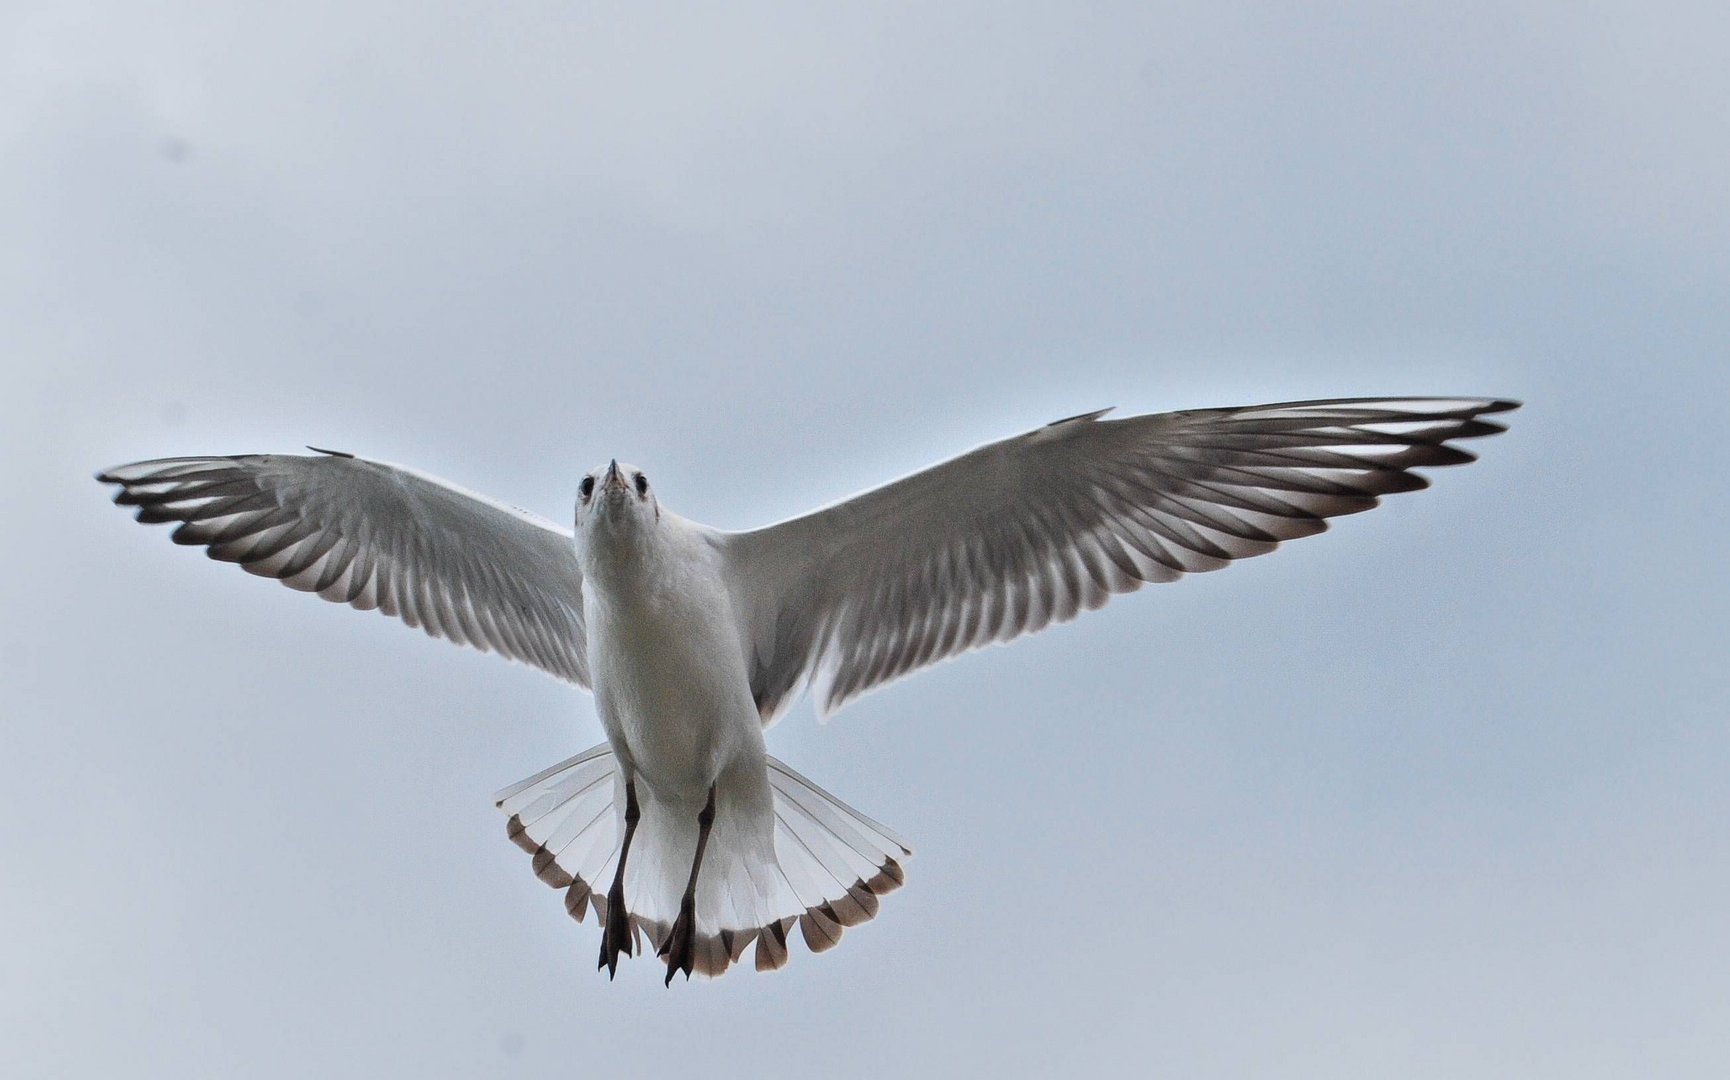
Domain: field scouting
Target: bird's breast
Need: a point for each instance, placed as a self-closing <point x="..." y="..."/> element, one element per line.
<point x="669" y="676"/>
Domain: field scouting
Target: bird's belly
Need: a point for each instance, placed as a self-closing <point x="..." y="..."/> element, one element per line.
<point x="672" y="692"/>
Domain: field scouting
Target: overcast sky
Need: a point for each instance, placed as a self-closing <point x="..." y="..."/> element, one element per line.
<point x="1439" y="794"/>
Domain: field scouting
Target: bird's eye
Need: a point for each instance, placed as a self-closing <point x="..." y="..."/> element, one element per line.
<point x="587" y="487"/>
<point x="642" y="484"/>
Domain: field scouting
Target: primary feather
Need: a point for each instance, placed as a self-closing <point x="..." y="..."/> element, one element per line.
<point x="459" y="565"/>
<point x="1022" y="533"/>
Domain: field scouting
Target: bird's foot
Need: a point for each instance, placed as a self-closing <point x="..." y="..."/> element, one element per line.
<point x="679" y="950"/>
<point x="616" y="935"/>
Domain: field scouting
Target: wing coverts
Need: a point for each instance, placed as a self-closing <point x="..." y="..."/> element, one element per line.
<point x="458" y="565"/>
<point x="1032" y="530"/>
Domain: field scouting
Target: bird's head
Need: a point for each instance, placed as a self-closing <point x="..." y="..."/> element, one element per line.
<point x="615" y="500"/>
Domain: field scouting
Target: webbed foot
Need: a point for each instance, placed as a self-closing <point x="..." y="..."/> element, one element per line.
<point x="616" y="935"/>
<point x="679" y="950"/>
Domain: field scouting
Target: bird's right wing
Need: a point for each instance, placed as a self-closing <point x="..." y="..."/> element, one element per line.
<point x="459" y="565"/>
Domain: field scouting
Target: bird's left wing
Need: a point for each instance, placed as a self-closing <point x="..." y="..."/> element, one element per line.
<point x="459" y="565"/>
<point x="1029" y="531"/>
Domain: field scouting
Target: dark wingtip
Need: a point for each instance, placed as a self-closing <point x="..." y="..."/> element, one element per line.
<point x="1082" y="417"/>
<point x="332" y="453"/>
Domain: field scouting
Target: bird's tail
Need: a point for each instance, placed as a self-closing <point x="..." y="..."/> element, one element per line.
<point x="824" y="870"/>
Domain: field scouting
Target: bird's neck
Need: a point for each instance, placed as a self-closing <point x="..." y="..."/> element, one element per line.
<point x="633" y="563"/>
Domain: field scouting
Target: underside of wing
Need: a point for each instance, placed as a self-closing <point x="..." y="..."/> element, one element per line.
<point x="376" y="536"/>
<point x="1032" y="530"/>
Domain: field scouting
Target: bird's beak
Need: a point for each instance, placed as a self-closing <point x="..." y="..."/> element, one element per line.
<point x="615" y="481"/>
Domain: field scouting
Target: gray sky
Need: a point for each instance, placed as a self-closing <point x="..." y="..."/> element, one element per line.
<point x="1439" y="794"/>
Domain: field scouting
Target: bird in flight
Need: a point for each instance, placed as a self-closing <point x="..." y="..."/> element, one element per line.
<point x="694" y="640"/>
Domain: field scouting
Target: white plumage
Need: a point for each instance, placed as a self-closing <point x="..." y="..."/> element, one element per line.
<point x="694" y="640"/>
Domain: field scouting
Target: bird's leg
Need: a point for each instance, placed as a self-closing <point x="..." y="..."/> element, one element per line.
<point x="616" y="935"/>
<point x="679" y="948"/>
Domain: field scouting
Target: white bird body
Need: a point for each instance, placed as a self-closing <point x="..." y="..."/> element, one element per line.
<point x="666" y="657"/>
<point x="694" y="640"/>
<point x="667" y="660"/>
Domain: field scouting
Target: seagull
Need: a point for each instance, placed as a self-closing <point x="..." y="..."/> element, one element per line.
<point x="694" y="640"/>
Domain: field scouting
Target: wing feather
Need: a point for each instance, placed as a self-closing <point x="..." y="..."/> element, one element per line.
<point x="377" y="536"/>
<point x="1033" y="530"/>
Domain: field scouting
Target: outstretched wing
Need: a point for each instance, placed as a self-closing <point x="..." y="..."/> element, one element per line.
<point x="459" y="565"/>
<point x="1029" y="531"/>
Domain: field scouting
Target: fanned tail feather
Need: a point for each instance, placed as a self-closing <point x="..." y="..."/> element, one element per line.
<point x="825" y="870"/>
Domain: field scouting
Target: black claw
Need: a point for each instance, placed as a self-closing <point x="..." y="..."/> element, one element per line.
<point x="616" y="935"/>
<point x="680" y="946"/>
